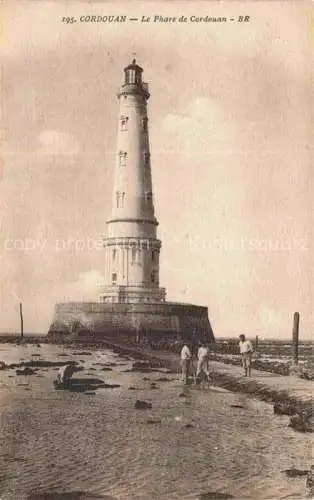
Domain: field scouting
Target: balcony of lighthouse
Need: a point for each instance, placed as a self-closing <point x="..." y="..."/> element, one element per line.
<point x="134" y="88"/>
<point x="132" y="294"/>
<point x="140" y="242"/>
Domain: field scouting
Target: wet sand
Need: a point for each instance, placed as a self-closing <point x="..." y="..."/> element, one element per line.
<point x="208" y="441"/>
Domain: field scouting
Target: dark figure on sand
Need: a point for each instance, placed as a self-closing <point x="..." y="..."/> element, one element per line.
<point x="246" y="351"/>
<point x="64" y="376"/>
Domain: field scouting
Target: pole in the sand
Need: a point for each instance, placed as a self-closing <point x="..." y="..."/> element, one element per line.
<point x="295" y="338"/>
<point x="21" y="317"/>
<point x="256" y="342"/>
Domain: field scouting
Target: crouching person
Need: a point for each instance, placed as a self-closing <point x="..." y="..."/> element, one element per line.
<point x="64" y="376"/>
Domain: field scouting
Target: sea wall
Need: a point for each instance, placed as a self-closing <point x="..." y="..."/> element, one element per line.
<point x="91" y="321"/>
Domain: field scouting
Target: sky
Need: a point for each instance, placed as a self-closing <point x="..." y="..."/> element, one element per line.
<point x="230" y="134"/>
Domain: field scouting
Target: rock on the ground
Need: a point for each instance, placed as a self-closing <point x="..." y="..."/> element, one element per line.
<point x="142" y="405"/>
<point x="110" y="386"/>
<point x="295" y="472"/>
<point x="25" y="371"/>
<point x="41" y="363"/>
<point x="310" y="482"/>
<point x="82" y="353"/>
<point x="284" y="408"/>
<point x="303" y="421"/>
<point x="153" y="421"/>
<point x="144" y="366"/>
<point x="215" y="495"/>
<point x="68" y="495"/>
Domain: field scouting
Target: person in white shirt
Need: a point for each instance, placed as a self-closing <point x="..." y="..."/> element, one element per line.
<point x="202" y="361"/>
<point x="246" y="351"/>
<point x="186" y="359"/>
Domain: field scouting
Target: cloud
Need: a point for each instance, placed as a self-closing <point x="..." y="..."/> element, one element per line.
<point x="202" y="124"/>
<point x="55" y="142"/>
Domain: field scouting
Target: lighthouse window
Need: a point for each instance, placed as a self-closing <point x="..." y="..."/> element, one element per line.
<point x="122" y="158"/>
<point x="120" y="199"/>
<point x="145" y="123"/>
<point x="130" y="76"/>
<point x="148" y="196"/>
<point x="114" y="254"/>
<point x="124" y="123"/>
<point x="146" y="158"/>
<point x="114" y="278"/>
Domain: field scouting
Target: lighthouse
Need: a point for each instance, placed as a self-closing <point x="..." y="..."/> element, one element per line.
<point x="131" y="246"/>
<point x="130" y="303"/>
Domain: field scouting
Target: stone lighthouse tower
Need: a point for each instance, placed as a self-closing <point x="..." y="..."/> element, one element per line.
<point x="130" y="303"/>
<point x="131" y="247"/>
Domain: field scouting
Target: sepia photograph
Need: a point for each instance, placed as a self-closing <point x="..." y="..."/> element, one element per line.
<point x="156" y="254"/>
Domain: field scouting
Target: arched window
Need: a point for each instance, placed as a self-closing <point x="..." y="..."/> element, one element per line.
<point x="145" y="123"/>
<point x="124" y="122"/>
<point x="130" y="76"/>
<point x="148" y="196"/>
<point x="123" y="155"/>
<point x="120" y="199"/>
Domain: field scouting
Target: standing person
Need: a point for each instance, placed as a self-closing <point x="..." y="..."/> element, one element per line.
<point x="186" y="359"/>
<point x="246" y="351"/>
<point x="202" y="361"/>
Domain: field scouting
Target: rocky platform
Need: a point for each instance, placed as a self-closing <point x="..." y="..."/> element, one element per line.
<point x="91" y="321"/>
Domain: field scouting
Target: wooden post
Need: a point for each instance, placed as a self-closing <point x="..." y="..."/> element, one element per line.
<point x="256" y="342"/>
<point x="295" y="338"/>
<point x="21" y="316"/>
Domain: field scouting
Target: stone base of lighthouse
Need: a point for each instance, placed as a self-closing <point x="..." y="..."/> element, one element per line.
<point x="96" y="322"/>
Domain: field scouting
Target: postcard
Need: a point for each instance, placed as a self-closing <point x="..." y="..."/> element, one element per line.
<point x="156" y="269"/>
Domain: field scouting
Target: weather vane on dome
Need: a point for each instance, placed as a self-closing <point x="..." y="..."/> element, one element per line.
<point x="134" y="57"/>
